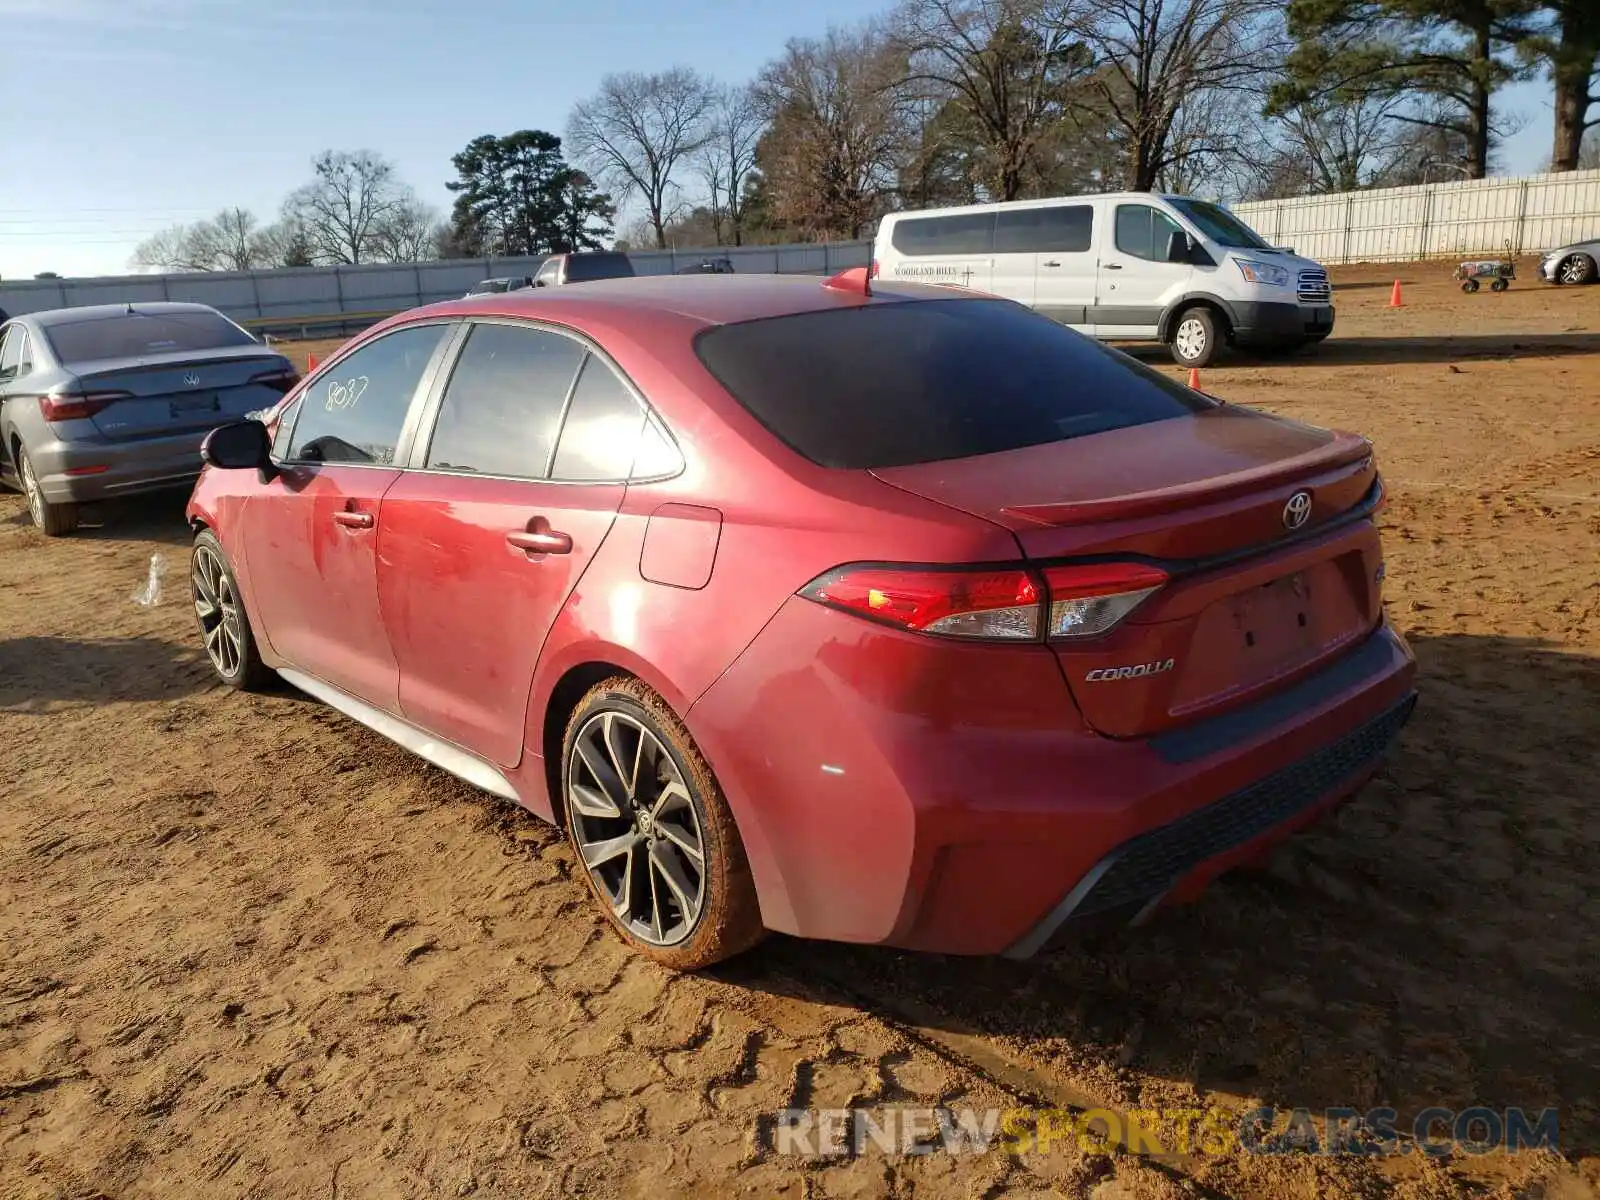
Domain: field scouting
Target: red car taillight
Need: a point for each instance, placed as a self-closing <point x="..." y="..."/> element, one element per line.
<point x="279" y="381"/>
<point x="1003" y="605"/>
<point x="1006" y="604"/>
<point x="72" y="406"/>
<point x="1087" y="599"/>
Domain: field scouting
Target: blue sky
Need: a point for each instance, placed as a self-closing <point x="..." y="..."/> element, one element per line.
<point x="138" y="114"/>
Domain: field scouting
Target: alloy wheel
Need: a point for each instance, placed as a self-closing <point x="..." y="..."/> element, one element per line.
<point x="217" y="608"/>
<point x="1575" y="269"/>
<point x="636" y="828"/>
<point x="30" y="487"/>
<point x="1190" y="338"/>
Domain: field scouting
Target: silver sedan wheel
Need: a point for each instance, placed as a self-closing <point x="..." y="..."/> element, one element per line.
<point x="1190" y="339"/>
<point x="637" y="828"/>
<point x="1576" y="269"/>
<point x="30" y="487"/>
<point x="217" y="608"/>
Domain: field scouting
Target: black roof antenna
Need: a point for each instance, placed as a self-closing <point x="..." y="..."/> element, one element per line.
<point x="130" y="308"/>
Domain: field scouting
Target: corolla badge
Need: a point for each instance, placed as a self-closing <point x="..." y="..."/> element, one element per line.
<point x="1103" y="674"/>
<point x="1297" y="511"/>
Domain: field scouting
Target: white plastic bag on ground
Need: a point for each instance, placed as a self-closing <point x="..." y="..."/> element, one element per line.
<point x="150" y="593"/>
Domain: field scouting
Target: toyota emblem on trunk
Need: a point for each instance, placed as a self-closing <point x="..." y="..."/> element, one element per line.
<point x="1297" y="511"/>
<point x="191" y="379"/>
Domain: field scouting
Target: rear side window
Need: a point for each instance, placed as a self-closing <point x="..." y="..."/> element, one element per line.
<point x="582" y="268"/>
<point x="887" y="385"/>
<point x="600" y="436"/>
<point x="13" y="352"/>
<point x="1143" y="231"/>
<point x="136" y="334"/>
<point x="1065" y="230"/>
<point x="968" y="233"/>
<point x="354" y="411"/>
<point x="502" y="407"/>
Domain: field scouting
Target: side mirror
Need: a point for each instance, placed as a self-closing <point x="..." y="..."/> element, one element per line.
<point x="1179" y="248"/>
<point x="238" y="446"/>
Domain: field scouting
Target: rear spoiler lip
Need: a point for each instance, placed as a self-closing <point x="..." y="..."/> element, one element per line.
<point x="1346" y="450"/>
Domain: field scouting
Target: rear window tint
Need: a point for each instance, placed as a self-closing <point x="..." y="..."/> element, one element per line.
<point x="966" y="233"/>
<point x="134" y="335"/>
<point x="584" y="267"/>
<point x="889" y="385"/>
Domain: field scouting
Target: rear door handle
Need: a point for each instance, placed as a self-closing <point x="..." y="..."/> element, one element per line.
<point x="354" y="520"/>
<point x="1052" y="263"/>
<point x="541" y="541"/>
<point x="1113" y="266"/>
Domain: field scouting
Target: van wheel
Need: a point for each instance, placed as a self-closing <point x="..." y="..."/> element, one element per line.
<point x="1196" y="340"/>
<point x="651" y="829"/>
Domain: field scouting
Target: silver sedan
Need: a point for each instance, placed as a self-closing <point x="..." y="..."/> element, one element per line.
<point x="1571" y="264"/>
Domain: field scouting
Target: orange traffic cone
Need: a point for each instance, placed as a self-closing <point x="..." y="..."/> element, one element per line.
<point x="311" y="363"/>
<point x="1194" y="378"/>
<point x="1394" y="296"/>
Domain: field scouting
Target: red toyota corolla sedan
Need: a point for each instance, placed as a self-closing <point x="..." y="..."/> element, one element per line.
<point x="901" y="615"/>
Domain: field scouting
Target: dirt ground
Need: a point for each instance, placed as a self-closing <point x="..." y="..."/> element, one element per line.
<point x="250" y="949"/>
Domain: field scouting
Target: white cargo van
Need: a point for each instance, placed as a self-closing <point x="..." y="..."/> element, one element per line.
<point x="1130" y="265"/>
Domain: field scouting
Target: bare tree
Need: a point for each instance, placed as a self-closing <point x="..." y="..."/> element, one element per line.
<point x="352" y="197"/>
<point x="1009" y="68"/>
<point x="639" y="130"/>
<point x="408" y="233"/>
<point x="839" y="130"/>
<point x="729" y="156"/>
<point x="1155" y="56"/>
<point x="230" y="241"/>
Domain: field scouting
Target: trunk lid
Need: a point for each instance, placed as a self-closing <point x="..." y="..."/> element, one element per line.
<point x="1254" y="602"/>
<point x="181" y="392"/>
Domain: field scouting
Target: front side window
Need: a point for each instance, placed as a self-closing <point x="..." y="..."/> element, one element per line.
<point x="1143" y="231"/>
<point x="502" y="408"/>
<point x="354" y="411"/>
<point x="1220" y="225"/>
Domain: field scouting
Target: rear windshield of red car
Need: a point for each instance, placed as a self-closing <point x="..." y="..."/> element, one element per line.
<point x="891" y="385"/>
<point x="134" y="335"/>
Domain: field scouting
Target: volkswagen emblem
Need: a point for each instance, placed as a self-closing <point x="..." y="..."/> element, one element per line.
<point x="1297" y="511"/>
<point x="191" y="380"/>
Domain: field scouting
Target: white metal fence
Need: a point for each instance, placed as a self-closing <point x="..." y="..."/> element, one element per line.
<point x="326" y="298"/>
<point x="1442" y="220"/>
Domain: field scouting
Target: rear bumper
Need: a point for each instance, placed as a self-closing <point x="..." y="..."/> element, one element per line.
<point x="1277" y="324"/>
<point x="888" y="792"/>
<point x="146" y="465"/>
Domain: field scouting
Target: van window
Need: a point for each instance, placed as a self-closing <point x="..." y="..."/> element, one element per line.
<point x="968" y="233"/>
<point x="1220" y="225"/>
<point x="1143" y="231"/>
<point x="1067" y="229"/>
<point x="887" y="385"/>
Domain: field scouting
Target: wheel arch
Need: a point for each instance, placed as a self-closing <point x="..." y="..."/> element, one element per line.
<point x="1219" y="306"/>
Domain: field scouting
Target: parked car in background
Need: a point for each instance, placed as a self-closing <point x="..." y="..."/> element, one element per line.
<point x="106" y="401"/>
<point x="1575" y="263"/>
<point x="708" y="266"/>
<point x="1135" y="266"/>
<point x="494" y="286"/>
<point x="900" y="616"/>
<point x="584" y="266"/>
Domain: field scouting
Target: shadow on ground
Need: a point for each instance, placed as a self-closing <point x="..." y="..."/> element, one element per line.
<point x="40" y="671"/>
<point x="1435" y="942"/>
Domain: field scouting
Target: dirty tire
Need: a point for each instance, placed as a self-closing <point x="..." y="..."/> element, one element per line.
<point x="50" y="519"/>
<point x="1196" y="338"/>
<point x="1576" y="268"/>
<point x="225" y="633"/>
<point x="728" y="920"/>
